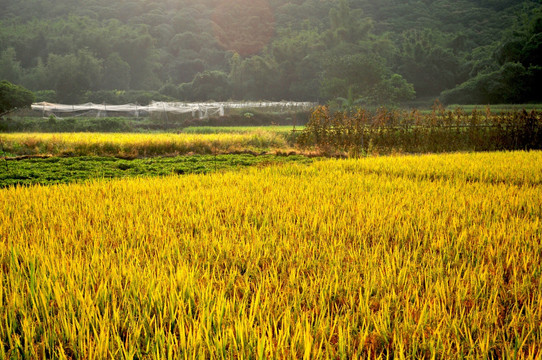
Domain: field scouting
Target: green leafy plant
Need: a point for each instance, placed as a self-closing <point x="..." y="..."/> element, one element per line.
<point x="13" y="97"/>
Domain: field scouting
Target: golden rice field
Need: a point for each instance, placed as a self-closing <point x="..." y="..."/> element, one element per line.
<point x="435" y="256"/>
<point x="136" y="145"/>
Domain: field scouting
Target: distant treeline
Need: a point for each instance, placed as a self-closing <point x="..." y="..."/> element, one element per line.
<point x="385" y="131"/>
<point x="110" y="97"/>
<point x="345" y="52"/>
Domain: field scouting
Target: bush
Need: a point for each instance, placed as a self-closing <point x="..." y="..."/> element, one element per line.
<point x="45" y="95"/>
<point x="257" y="119"/>
<point x="512" y="83"/>
<point x="14" y="97"/>
<point x="119" y="97"/>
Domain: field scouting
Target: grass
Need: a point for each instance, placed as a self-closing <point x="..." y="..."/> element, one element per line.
<point x="57" y="170"/>
<point x="434" y="256"/>
<point x="25" y="121"/>
<point x="141" y="145"/>
<point x="286" y="129"/>
<point x="496" y="108"/>
<point x="84" y="124"/>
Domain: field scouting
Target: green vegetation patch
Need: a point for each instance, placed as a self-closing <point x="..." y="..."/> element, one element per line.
<point x="86" y="124"/>
<point x="56" y="170"/>
<point x="284" y="129"/>
<point x="497" y="108"/>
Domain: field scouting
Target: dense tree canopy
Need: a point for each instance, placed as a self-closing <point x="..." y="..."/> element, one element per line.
<point x="13" y="97"/>
<point x="368" y="51"/>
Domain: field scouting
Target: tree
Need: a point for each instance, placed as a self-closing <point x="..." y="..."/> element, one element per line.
<point x="243" y="26"/>
<point x="348" y="25"/>
<point x="515" y="75"/>
<point x="206" y="86"/>
<point x="236" y="76"/>
<point x="144" y="45"/>
<point x="71" y="75"/>
<point x="13" y="97"/>
<point x="355" y="74"/>
<point x="10" y="68"/>
<point x="392" y="90"/>
<point x="424" y="61"/>
<point x="299" y="61"/>
<point x="260" y="78"/>
<point x="116" y="73"/>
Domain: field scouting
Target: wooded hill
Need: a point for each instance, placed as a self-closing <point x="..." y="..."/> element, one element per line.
<point x="347" y="52"/>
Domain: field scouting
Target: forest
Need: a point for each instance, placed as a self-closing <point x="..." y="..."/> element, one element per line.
<point x="342" y="52"/>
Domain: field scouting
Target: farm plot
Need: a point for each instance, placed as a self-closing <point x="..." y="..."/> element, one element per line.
<point x="418" y="256"/>
<point x="140" y="145"/>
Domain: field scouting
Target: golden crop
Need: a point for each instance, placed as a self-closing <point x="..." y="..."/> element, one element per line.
<point x="418" y="256"/>
<point x="125" y="144"/>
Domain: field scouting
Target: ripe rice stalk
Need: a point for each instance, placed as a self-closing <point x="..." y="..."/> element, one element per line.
<point x="408" y="256"/>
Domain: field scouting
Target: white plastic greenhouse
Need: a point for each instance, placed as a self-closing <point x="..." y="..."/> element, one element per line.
<point x="199" y="110"/>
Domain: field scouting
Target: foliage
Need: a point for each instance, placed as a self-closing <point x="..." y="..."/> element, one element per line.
<point x="293" y="261"/>
<point x="13" y="97"/>
<point x="54" y="124"/>
<point x="512" y="84"/>
<point x="45" y="96"/>
<point x="425" y="60"/>
<point x="119" y="97"/>
<point x="359" y="74"/>
<point x="238" y="129"/>
<point x="208" y="85"/>
<point x="516" y="77"/>
<point x="243" y="26"/>
<point x="116" y="73"/>
<point x="270" y="50"/>
<point x="257" y="119"/>
<point x="71" y="75"/>
<point x="173" y="122"/>
<point x="10" y="68"/>
<point x="355" y="69"/>
<point x="255" y="78"/>
<point x="59" y="170"/>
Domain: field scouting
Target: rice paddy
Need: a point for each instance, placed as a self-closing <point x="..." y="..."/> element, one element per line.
<point x="432" y="256"/>
<point x="140" y="145"/>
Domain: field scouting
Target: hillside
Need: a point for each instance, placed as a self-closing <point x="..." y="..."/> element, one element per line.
<point x="357" y="51"/>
